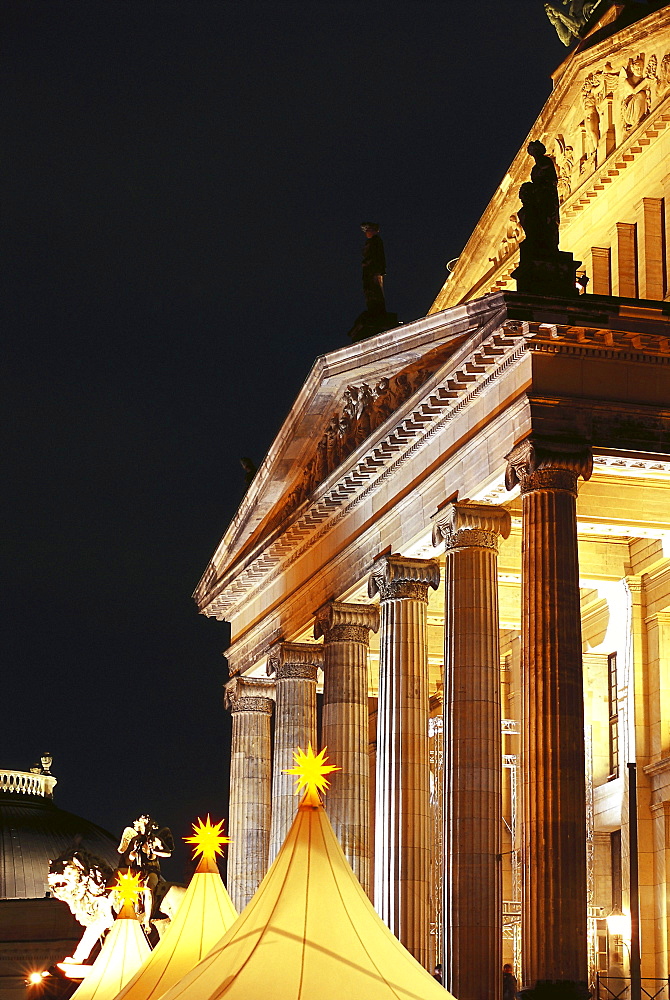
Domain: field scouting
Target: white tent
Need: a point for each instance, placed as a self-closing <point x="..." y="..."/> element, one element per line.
<point x="204" y="915"/>
<point x="309" y="933"/>
<point x="120" y="957"/>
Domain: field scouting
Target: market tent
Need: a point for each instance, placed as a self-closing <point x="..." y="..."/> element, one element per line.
<point x="204" y="915"/>
<point x="309" y="932"/>
<point x="120" y="957"/>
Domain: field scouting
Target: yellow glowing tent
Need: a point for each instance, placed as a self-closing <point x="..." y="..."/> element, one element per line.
<point x="204" y="915"/>
<point x="310" y="932"/>
<point x="121" y="955"/>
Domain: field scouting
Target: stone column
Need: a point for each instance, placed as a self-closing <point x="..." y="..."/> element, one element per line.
<point x="344" y="725"/>
<point x="294" y="665"/>
<point x="402" y="834"/>
<point x="472" y="749"/>
<point x="554" y="806"/>
<point x="249" y="699"/>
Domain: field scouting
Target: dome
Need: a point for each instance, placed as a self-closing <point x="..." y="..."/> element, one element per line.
<point x="34" y="831"/>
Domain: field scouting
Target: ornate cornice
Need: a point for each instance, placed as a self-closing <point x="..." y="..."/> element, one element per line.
<point x="295" y="660"/>
<point x="249" y="694"/>
<point x="552" y="464"/>
<point x="340" y="622"/>
<point x="396" y="578"/>
<point x="462" y="525"/>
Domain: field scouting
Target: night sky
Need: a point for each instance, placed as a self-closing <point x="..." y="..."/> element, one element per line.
<point x="181" y="189"/>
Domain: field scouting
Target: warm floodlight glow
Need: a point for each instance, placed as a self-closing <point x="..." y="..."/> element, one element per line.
<point x="36" y="977"/>
<point x="207" y="839"/>
<point x="618" y="923"/>
<point x="73" y="970"/>
<point x="311" y="770"/>
<point x="128" y="886"/>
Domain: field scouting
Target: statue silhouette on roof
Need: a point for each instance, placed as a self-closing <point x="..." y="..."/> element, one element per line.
<point x="543" y="268"/>
<point x="374" y="319"/>
<point x="570" y="17"/>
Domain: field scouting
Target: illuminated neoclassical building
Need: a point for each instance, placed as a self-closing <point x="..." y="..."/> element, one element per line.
<point x="461" y="537"/>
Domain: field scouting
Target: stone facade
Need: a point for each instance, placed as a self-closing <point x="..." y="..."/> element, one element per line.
<point x="489" y="545"/>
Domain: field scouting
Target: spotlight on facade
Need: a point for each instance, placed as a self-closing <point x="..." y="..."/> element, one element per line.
<point x="618" y="924"/>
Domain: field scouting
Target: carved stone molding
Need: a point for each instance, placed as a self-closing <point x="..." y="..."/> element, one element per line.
<point x="295" y="660"/>
<point x="550" y="464"/>
<point x="396" y="578"/>
<point x="471" y="524"/>
<point x="296" y="672"/>
<point x="253" y="694"/>
<point x="429" y="418"/>
<point x="340" y="622"/>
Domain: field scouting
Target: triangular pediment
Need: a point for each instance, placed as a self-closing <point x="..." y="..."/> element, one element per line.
<point x="349" y="398"/>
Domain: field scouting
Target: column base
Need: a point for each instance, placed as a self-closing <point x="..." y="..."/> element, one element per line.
<point x="556" y="989"/>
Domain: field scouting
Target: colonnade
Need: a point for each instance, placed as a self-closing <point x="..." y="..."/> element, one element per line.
<point x="554" y="851"/>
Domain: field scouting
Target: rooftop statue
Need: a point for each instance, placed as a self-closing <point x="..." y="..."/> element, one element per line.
<point x="570" y="17"/>
<point x="539" y="198"/>
<point x="374" y="269"/>
<point x="543" y="269"/>
<point x="374" y="319"/>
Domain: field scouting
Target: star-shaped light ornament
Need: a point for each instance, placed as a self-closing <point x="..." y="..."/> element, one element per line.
<point x="207" y="839"/>
<point x="128" y="886"/>
<point x="311" y="770"/>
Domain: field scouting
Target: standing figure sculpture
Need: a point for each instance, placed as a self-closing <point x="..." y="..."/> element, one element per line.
<point x="374" y="318"/>
<point x="374" y="269"/>
<point x="539" y="198"/>
<point x="543" y="269"/>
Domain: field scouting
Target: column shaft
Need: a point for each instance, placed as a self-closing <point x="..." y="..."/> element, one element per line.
<point x="402" y="835"/>
<point x="554" y="807"/>
<point x="473" y="751"/>
<point x="554" y="907"/>
<point x="295" y="666"/>
<point x="344" y="731"/>
<point x="250" y="703"/>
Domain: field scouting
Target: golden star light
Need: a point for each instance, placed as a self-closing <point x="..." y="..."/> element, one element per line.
<point x="311" y="770"/>
<point x="207" y="838"/>
<point x="128" y="886"/>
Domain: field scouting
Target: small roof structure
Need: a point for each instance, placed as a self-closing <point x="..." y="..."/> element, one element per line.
<point x="120" y="957"/>
<point x="203" y="917"/>
<point x="309" y="933"/>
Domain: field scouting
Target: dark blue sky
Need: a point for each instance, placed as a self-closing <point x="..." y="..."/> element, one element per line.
<point x="181" y="187"/>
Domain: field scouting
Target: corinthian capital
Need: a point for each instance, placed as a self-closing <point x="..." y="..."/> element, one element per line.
<point x="476" y="524"/>
<point x="298" y="660"/>
<point x="339" y="622"/>
<point x="249" y="694"/>
<point x="399" y="577"/>
<point x="551" y="463"/>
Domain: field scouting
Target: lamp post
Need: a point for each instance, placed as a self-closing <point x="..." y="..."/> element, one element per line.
<point x="635" y="979"/>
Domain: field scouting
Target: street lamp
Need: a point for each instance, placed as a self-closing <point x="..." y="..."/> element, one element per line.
<point x="635" y="981"/>
<point x="618" y="924"/>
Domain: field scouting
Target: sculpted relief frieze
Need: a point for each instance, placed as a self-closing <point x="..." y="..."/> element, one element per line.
<point x="364" y="407"/>
<point x="616" y="97"/>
